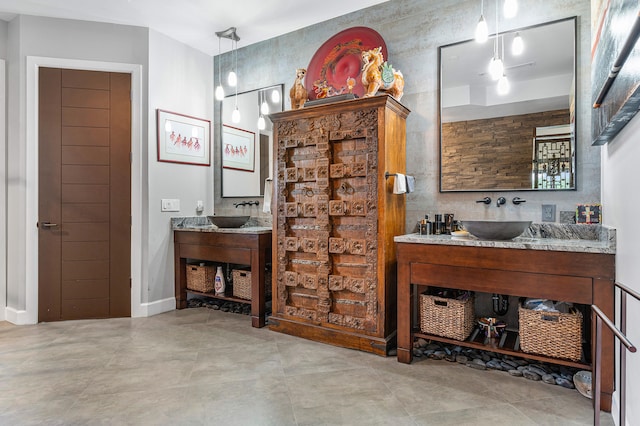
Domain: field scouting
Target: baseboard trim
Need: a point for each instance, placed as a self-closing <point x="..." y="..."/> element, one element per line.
<point x="157" y="307"/>
<point x="17" y="317"/>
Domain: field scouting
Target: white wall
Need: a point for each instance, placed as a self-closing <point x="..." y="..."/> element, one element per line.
<point x="180" y="80"/>
<point x="621" y="204"/>
<point x="30" y="37"/>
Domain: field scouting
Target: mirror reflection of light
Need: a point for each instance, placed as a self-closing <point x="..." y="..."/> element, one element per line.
<point x="232" y="79"/>
<point x="517" y="46"/>
<point x="167" y="126"/>
<point x="275" y="96"/>
<point x="264" y="107"/>
<point x="496" y="68"/>
<point x="261" y="123"/>
<point x="482" y="31"/>
<point x="510" y="8"/>
<point x="235" y="115"/>
<point x="219" y="93"/>
<point x="503" y="85"/>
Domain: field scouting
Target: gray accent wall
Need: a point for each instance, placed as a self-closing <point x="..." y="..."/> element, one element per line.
<point x="413" y="30"/>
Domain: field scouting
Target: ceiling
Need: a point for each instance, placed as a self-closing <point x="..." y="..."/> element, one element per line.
<point x="194" y="22"/>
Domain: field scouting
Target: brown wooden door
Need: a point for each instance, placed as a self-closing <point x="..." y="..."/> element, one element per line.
<point x="84" y="195"/>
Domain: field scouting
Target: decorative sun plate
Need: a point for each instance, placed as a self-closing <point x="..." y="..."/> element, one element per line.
<point x="336" y="67"/>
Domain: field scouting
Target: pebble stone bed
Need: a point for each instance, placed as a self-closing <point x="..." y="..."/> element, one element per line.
<point x="220" y="305"/>
<point x="486" y="360"/>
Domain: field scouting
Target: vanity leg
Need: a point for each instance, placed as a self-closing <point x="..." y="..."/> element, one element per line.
<point x="180" y="280"/>
<point x="257" y="288"/>
<point x="405" y="346"/>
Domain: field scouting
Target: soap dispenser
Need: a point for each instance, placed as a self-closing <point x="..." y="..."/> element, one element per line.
<point x="219" y="284"/>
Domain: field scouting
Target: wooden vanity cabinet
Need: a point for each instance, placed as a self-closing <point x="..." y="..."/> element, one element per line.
<point x="253" y="249"/>
<point x="584" y="278"/>
<point x="336" y="215"/>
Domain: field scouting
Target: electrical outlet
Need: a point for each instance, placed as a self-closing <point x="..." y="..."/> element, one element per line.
<point x="170" y="205"/>
<point x="199" y="206"/>
<point x="548" y="212"/>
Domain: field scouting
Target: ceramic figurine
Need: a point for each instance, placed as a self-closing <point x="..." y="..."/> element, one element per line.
<point x="298" y="93"/>
<point x="380" y="75"/>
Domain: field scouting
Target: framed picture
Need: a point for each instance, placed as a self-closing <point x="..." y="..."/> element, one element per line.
<point x="238" y="149"/>
<point x="183" y="139"/>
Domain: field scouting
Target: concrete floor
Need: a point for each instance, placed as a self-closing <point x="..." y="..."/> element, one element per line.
<point x="199" y="366"/>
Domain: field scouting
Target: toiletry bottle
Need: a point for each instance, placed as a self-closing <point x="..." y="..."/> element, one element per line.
<point x="438" y="225"/>
<point x="428" y="226"/>
<point x="219" y="283"/>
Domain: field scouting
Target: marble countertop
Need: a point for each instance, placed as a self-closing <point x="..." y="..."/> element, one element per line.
<point x="202" y="224"/>
<point x="566" y="238"/>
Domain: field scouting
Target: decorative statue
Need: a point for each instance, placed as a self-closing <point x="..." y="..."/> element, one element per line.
<point x="379" y="75"/>
<point x="298" y="93"/>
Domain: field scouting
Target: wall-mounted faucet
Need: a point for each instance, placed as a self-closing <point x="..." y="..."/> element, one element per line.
<point x="518" y="200"/>
<point x="485" y="200"/>
<point x="500" y="201"/>
<point x="246" y="203"/>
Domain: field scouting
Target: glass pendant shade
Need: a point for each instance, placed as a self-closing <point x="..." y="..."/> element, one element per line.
<point x="261" y="123"/>
<point x="232" y="79"/>
<point x="219" y="93"/>
<point x="496" y="68"/>
<point x="510" y="8"/>
<point x="482" y="31"/>
<point x="517" y="46"/>
<point x="235" y="115"/>
<point x="503" y="85"/>
<point x="264" y="108"/>
<point x="275" y="96"/>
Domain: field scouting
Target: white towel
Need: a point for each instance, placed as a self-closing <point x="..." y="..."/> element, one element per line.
<point x="411" y="184"/>
<point x="400" y="184"/>
<point x="266" y="203"/>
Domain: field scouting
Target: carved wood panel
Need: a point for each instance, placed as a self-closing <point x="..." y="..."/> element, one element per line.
<point x="327" y="219"/>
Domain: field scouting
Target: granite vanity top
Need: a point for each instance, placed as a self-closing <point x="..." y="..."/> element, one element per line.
<point x="202" y="224"/>
<point x="550" y="237"/>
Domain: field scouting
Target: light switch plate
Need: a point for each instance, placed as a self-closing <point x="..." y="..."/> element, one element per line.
<point x="548" y="212"/>
<point x="170" y="205"/>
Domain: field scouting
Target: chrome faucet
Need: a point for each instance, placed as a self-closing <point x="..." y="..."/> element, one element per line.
<point x="501" y="201"/>
<point x="246" y="203"/>
<point x="518" y="200"/>
<point x="485" y="200"/>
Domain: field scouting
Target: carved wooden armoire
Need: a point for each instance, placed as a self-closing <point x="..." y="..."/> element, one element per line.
<point x="334" y="259"/>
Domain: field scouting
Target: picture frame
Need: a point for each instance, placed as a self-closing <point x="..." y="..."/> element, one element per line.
<point x="183" y="139"/>
<point x="238" y="149"/>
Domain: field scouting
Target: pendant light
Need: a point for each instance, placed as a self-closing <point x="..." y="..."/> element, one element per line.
<point x="263" y="107"/>
<point x="510" y="8"/>
<point x="503" y="82"/>
<point x="219" y="89"/>
<point x="496" y="67"/>
<point x="232" y="78"/>
<point x="482" y="31"/>
<point x="517" y="45"/>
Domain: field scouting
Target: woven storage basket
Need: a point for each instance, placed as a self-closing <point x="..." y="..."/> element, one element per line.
<point x="200" y="278"/>
<point x="242" y="283"/>
<point x="552" y="334"/>
<point x="446" y="317"/>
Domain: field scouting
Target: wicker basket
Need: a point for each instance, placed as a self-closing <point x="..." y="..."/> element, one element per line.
<point x="446" y="317"/>
<point x="552" y="334"/>
<point x="200" y="278"/>
<point x="242" y="283"/>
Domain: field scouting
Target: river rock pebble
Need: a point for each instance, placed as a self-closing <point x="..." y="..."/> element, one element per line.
<point x="549" y="379"/>
<point x="528" y="374"/>
<point x="516" y="373"/>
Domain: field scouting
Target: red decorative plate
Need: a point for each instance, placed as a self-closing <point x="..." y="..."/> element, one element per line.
<point x="339" y="59"/>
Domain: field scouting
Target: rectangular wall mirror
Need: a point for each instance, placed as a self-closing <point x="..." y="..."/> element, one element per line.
<point x="246" y="149"/>
<point x="514" y="134"/>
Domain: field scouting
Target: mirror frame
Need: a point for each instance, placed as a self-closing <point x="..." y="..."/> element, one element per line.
<point x="263" y="156"/>
<point x="573" y="19"/>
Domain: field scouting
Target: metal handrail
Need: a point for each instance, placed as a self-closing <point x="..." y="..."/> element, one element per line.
<point x="625" y="343"/>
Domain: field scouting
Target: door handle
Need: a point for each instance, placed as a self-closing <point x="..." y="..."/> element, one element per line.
<point x="47" y="224"/>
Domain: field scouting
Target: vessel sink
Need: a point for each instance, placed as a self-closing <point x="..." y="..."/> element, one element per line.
<point x="228" y="221"/>
<point x="495" y="229"/>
